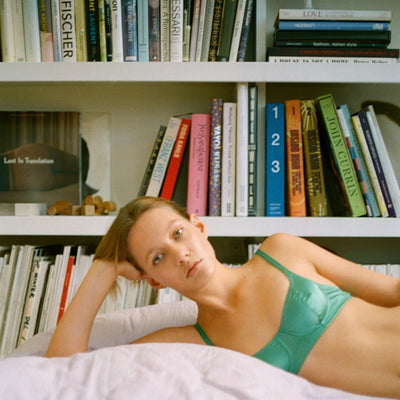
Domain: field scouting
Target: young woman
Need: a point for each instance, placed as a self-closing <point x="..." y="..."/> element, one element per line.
<point x="294" y="304"/>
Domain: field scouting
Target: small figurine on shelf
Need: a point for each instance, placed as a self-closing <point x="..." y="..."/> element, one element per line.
<point x="91" y="205"/>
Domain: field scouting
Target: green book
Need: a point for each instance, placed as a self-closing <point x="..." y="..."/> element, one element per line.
<point x="344" y="165"/>
<point x="225" y="36"/>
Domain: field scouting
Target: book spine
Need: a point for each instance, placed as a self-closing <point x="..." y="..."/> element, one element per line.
<point x="331" y="60"/>
<point x="143" y="30"/>
<point x="333" y="35"/>
<point x="199" y="149"/>
<point x="31" y="30"/>
<point x="176" y="160"/>
<point x="92" y="30"/>
<point x="252" y="149"/>
<point x="275" y="160"/>
<point x="351" y="44"/>
<point x="164" y="30"/>
<point x="7" y="31"/>
<point x="314" y="174"/>
<point x="46" y="31"/>
<point x="130" y="31"/>
<point x="341" y="156"/>
<point x="200" y="30"/>
<point x="154" y="30"/>
<point x="242" y="140"/>
<point x="205" y="48"/>
<point x="163" y="157"/>
<point x="237" y="29"/>
<point x="102" y="30"/>
<point x="195" y="29"/>
<point x="244" y="36"/>
<point x="227" y="23"/>
<point x="296" y="195"/>
<point x="18" y="24"/>
<point x="55" y="19"/>
<point x="187" y="28"/>
<point x="215" y="30"/>
<point x="384" y="157"/>
<point x="68" y="29"/>
<point x="152" y="161"/>
<point x="176" y="31"/>
<point x="108" y="27"/>
<point x="214" y="186"/>
<point x="377" y="162"/>
<point x="333" y="25"/>
<point x="66" y="287"/>
<point x="228" y="160"/>
<point x="116" y="31"/>
<point x="80" y="23"/>
<point x="358" y="160"/>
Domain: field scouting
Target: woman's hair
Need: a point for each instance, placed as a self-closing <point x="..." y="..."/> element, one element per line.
<point x="114" y="246"/>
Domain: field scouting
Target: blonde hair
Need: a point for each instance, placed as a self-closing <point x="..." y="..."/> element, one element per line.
<point x="114" y="246"/>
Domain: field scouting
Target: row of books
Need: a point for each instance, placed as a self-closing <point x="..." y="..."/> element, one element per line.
<point x="125" y="30"/>
<point x="336" y="163"/>
<point x="332" y="36"/>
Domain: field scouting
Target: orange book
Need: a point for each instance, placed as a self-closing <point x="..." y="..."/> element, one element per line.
<point x="67" y="280"/>
<point x="295" y="184"/>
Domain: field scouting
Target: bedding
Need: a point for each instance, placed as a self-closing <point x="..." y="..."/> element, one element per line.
<point x="114" y="370"/>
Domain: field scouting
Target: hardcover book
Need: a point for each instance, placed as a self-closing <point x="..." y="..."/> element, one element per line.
<point x="129" y="30"/>
<point x="253" y="150"/>
<point x="313" y="169"/>
<point x="341" y="156"/>
<point x="92" y="30"/>
<point x="275" y="160"/>
<point x="295" y="185"/>
<point x="226" y="30"/>
<point x="199" y="150"/>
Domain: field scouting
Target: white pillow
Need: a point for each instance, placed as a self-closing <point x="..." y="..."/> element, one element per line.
<point x="121" y="327"/>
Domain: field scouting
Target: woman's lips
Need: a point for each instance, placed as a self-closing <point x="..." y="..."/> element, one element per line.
<point x="193" y="269"/>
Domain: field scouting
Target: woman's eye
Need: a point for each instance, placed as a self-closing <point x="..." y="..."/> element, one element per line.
<point x="178" y="233"/>
<point x="157" y="258"/>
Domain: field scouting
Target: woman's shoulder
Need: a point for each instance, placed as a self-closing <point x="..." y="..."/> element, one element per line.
<point x="279" y="241"/>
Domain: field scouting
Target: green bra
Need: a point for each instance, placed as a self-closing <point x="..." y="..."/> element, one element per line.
<point x="309" y="309"/>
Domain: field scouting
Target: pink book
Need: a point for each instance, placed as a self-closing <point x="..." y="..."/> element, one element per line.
<point x="199" y="145"/>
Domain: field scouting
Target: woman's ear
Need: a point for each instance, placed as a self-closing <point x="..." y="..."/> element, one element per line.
<point x="153" y="283"/>
<point x="195" y="220"/>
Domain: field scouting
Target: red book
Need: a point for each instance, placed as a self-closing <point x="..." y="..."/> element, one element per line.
<point x="67" y="281"/>
<point x="199" y="147"/>
<point x="176" y="160"/>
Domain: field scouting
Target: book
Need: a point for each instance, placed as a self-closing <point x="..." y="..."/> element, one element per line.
<point x="80" y="23"/>
<point x="350" y="136"/>
<point x="208" y="22"/>
<point x="226" y="29"/>
<point x="143" y="30"/>
<point x="7" y="31"/>
<point x="369" y="165"/>
<point x="244" y="36"/>
<point x="377" y="162"/>
<point x="176" y="31"/>
<point x="152" y="160"/>
<point x="295" y="184"/>
<point x="384" y="157"/>
<point x="194" y="30"/>
<point x="333" y="25"/>
<point x="67" y="31"/>
<point x="117" y="31"/>
<point x="331" y="60"/>
<point x="187" y="28"/>
<point x="253" y="150"/>
<point x="200" y="29"/>
<point x="176" y="160"/>
<point x="164" y="30"/>
<point x="40" y="157"/>
<point x="215" y="30"/>
<point x="92" y="30"/>
<point x="228" y="160"/>
<point x="337" y="15"/>
<point x="18" y="26"/>
<point x="332" y="43"/>
<point x="66" y="287"/>
<point x="332" y="52"/>
<point x="341" y="156"/>
<point x="242" y="155"/>
<point x="103" y="27"/>
<point x="275" y="160"/>
<point x="56" y="25"/>
<point x="46" y="31"/>
<point x="199" y="150"/>
<point x="31" y="31"/>
<point x="313" y="169"/>
<point x="215" y="160"/>
<point x="154" y="30"/>
<point x="237" y="29"/>
<point x="163" y="157"/>
<point x="130" y="38"/>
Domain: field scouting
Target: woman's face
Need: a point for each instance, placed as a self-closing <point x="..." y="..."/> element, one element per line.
<point x="172" y="250"/>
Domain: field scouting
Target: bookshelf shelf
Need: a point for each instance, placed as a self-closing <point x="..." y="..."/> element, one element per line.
<point x="217" y="226"/>
<point x="109" y="73"/>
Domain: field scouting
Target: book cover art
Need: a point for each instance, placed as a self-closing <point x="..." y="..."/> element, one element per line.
<point x="295" y="185"/>
<point x="199" y="151"/>
<point x="41" y="157"/>
<point x="275" y="160"/>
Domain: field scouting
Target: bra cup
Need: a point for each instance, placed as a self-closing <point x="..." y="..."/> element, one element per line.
<point x="305" y="307"/>
<point x="278" y="354"/>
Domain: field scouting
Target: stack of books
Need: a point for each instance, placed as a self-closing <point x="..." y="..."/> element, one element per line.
<point x="332" y="36"/>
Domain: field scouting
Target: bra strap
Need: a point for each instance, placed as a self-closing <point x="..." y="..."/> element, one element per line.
<point x="203" y="334"/>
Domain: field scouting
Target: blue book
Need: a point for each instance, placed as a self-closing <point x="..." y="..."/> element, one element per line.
<point x="275" y="160"/>
<point x="130" y="31"/>
<point x="350" y="135"/>
<point x="143" y="30"/>
<point x="333" y="25"/>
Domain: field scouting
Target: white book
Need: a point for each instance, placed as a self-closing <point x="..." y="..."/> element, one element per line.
<point x="228" y="160"/>
<point x="195" y="29"/>
<point x="56" y="25"/>
<point x="164" y="154"/>
<point x="45" y="312"/>
<point x="116" y="34"/>
<point x="387" y="167"/>
<point x="7" y="31"/>
<point x="237" y="30"/>
<point x="68" y="30"/>
<point x="242" y="133"/>
<point x="18" y="24"/>
<point x="164" y="29"/>
<point x="176" y="31"/>
<point x="331" y="60"/>
<point x="200" y="30"/>
<point x="205" y="46"/>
